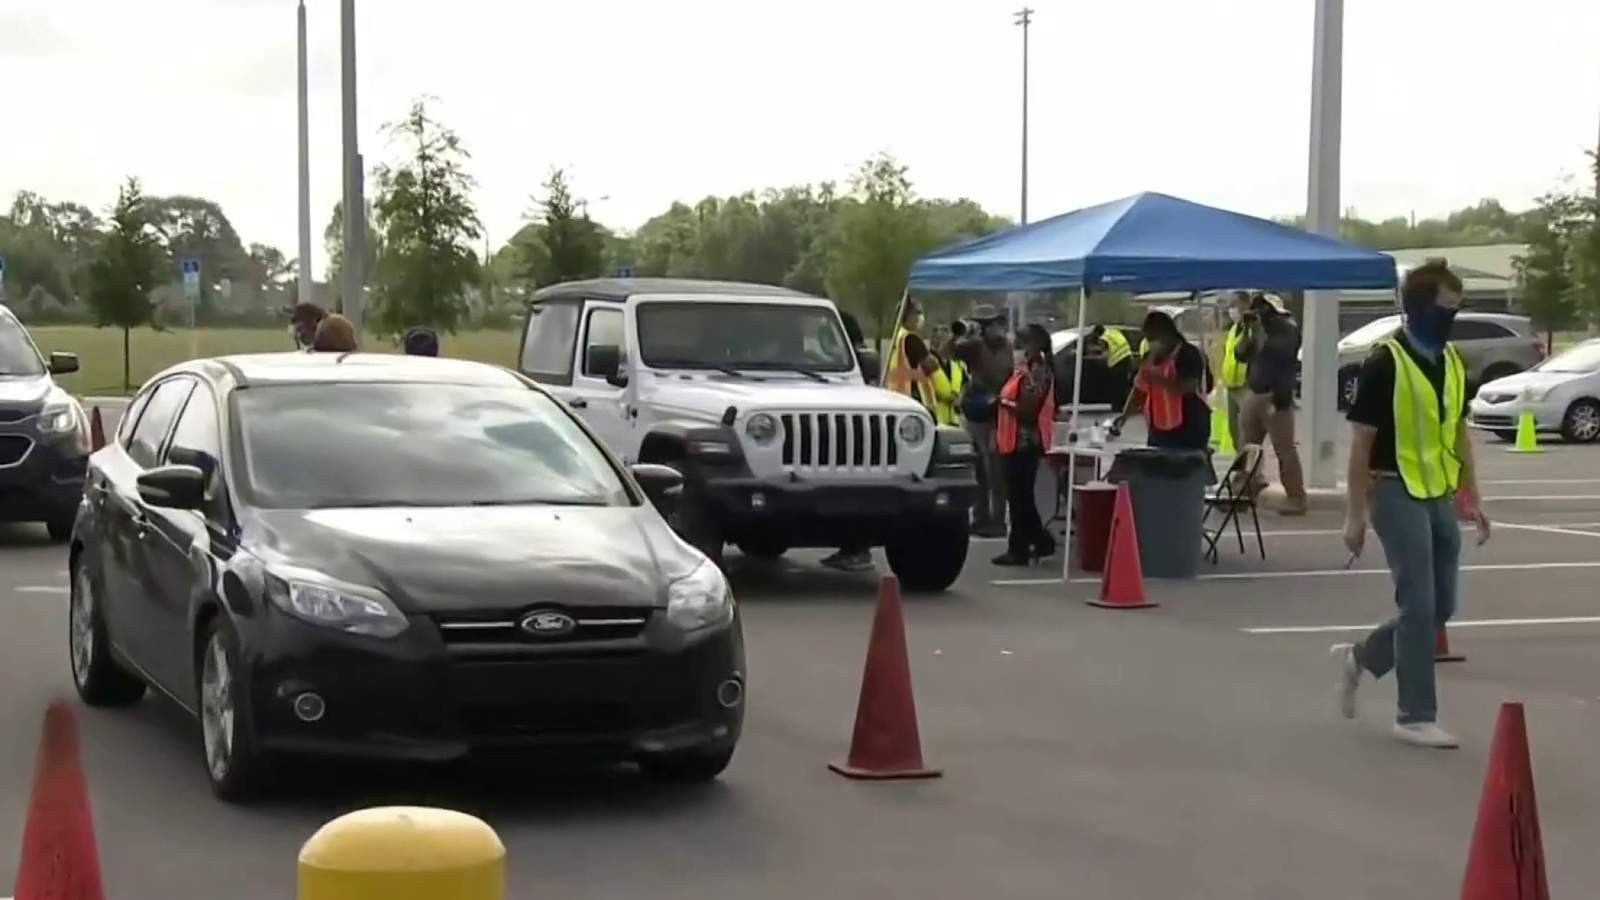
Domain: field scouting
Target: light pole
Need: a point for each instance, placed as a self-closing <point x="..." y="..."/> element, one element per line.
<point x="306" y="279"/>
<point x="355" y="207"/>
<point x="1023" y="17"/>
<point x="1318" y="419"/>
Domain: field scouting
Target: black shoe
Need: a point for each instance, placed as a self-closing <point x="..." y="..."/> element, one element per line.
<point x="1009" y="558"/>
<point x="1044" y="551"/>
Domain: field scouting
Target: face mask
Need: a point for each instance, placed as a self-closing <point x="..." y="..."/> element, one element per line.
<point x="1429" y="324"/>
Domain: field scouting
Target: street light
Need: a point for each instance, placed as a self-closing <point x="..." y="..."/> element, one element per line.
<point x="355" y="208"/>
<point x="1024" y="17"/>
<point x="305" y="165"/>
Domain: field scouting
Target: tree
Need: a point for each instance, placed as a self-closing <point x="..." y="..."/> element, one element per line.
<point x="878" y="233"/>
<point x="333" y="243"/>
<point x="127" y="269"/>
<point x="1583" y="248"/>
<point x="1543" y="278"/>
<point x="574" y="246"/>
<point x="429" y="226"/>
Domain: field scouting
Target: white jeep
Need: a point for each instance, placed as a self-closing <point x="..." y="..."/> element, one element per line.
<point x="756" y="395"/>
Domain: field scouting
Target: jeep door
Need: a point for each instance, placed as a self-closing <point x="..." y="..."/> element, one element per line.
<point x="600" y="387"/>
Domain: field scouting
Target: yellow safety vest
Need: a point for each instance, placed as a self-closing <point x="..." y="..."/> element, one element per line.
<point x="947" y="387"/>
<point x="1234" y="372"/>
<point x="1144" y="348"/>
<point x="1117" y="348"/>
<point x="901" y="375"/>
<point x="1425" y="440"/>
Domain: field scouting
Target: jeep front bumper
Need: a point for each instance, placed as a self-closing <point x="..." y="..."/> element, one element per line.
<point x="801" y="513"/>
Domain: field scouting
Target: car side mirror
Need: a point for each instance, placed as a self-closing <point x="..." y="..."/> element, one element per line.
<point x="63" y="363"/>
<point x="662" y="484"/>
<point x="173" y="487"/>
<point x="605" y="360"/>
<point x="871" y="365"/>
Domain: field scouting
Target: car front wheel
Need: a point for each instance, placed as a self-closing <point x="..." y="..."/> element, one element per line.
<point x="686" y="768"/>
<point x="236" y="768"/>
<point x="929" y="558"/>
<point x="1581" y="424"/>
<point x="97" y="676"/>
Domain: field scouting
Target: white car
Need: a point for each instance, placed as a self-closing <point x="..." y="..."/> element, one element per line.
<point x="1563" y="393"/>
<point x="755" y="394"/>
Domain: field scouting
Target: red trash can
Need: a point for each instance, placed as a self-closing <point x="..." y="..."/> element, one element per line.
<point x="1094" y="503"/>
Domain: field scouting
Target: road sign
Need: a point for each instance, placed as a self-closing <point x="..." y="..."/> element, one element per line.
<point x="191" y="279"/>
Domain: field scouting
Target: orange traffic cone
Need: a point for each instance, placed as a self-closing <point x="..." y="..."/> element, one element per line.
<point x="59" y="859"/>
<point x="885" y="744"/>
<point x="1441" y="647"/>
<point x="97" y="430"/>
<point x="1507" y="856"/>
<point x="1122" y="584"/>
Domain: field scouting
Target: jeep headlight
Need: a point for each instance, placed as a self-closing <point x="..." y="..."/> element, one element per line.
<point x="762" y="429"/>
<point x="700" y="599"/>
<point x="58" y="420"/>
<point x="913" y="430"/>
<point x="319" y="600"/>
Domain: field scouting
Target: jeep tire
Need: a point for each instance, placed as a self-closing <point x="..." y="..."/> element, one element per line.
<point x="928" y="556"/>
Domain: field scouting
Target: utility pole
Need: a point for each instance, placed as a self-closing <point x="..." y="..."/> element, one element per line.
<point x="355" y="207"/>
<point x="306" y="279"/>
<point x="1023" y="17"/>
<point x="1319" y="420"/>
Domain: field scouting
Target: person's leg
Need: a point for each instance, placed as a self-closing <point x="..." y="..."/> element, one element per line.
<point x="1235" y="400"/>
<point x="1253" y="412"/>
<point x="998" y="492"/>
<point x="1405" y="644"/>
<point x="1446" y="558"/>
<point x="1280" y="424"/>
<point x="1021" y="471"/>
<point x="983" y="516"/>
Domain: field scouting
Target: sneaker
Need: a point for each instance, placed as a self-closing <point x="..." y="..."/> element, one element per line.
<point x="1294" y="508"/>
<point x="1425" y="734"/>
<point x="849" y="562"/>
<point x="1349" y="677"/>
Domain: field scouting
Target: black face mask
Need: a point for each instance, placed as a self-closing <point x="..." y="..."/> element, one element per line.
<point x="1429" y="324"/>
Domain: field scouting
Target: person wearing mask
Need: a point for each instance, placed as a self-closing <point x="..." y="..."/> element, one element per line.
<point x="1411" y="459"/>
<point x="1169" y="389"/>
<point x="986" y="353"/>
<point x="421" y="342"/>
<point x="303" y="321"/>
<point x="902" y="375"/>
<point x="334" y="335"/>
<point x="1025" y="426"/>
<point x="1271" y="348"/>
<point x="1235" y="367"/>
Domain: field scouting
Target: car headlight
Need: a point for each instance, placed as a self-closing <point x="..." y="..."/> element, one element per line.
<point x="700" y="599"/>
<point x="58" y="420"/>
<point x="913" y="430"/>
<point x="347" y="607"/>
<point x="762" y="428"/>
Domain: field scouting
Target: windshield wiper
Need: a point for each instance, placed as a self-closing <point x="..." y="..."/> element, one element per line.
<point x="695" y="364"/>
<point x="810" y="373"/>
<point x="534" y="501"/>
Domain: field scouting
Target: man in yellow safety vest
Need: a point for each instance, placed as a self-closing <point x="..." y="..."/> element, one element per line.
<point x="902" y="375"/>
<point x="1235" y="371"/>
<point x="1411" y="454"/>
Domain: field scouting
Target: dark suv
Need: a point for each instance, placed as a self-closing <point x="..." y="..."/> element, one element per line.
<point x="44" y="437"/>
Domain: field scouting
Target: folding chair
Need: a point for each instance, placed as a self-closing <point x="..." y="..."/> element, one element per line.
<point x="1231" y="497"/>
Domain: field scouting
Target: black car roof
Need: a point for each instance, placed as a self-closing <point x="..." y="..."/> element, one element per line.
<point x="348" y="368"/>
<point x="623" y="288"/>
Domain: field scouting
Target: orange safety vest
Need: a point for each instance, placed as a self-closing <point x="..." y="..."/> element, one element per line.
<point x="1163" y="407"/>
<point x="1005" y="437"/>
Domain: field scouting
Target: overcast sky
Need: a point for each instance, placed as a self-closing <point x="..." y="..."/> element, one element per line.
<point x="1446" y="101"/>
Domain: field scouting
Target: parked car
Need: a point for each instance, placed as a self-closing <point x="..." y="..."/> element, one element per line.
<point x="754" y="394"/>
<point x="44" y="435"/>
<point x="1563" y="393"/>
<point x="1493" y="345"/>
<point x="395" y="558"/>
<point x="1100" y="385"/>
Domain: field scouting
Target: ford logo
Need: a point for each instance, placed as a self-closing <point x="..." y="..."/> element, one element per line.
<point x="548" y="624"/>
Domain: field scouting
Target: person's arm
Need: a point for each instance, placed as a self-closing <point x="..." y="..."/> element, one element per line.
<point x="1358" y="485"/>
<point x="1468" y="486"/>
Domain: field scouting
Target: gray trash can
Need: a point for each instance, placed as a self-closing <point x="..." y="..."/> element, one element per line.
<point x="1169" y="493"/>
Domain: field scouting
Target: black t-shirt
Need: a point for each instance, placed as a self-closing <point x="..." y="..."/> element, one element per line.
<point x="1374" y="402"/>
<point x="1194" y="432"/>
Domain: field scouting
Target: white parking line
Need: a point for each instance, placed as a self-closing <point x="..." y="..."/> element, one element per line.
<point x="1546" y="529"/>
<point x="1318" y="573"/>
<point x="1536" y="497"/>
<point x="1469" y="623"/>
<point x="40" y="589"/>
<point x="1539" y="481"/>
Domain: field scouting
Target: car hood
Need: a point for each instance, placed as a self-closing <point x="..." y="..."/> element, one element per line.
<point x="478" y="559"/>
<point x="25" y="393"/>
<point x="1511" y="384"/>
<point x="708" y="397"/>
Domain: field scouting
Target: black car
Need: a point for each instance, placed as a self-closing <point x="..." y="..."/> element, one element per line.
<point x="44" y="437"/>
<point x="396" y="558"/>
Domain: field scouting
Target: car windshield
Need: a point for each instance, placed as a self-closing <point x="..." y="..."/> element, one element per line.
<point x="346" y="445"/>
<point x="1372" y="332"/>
<point x="1581" y="359"/>
<point x="771" y="336"/>
<point x="17" y="354"/>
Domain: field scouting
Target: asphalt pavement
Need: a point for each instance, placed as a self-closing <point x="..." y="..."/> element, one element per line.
<point x="1191" y="750"/>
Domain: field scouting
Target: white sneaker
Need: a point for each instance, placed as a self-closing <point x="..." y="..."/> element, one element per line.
<point x="1349" y="677"/>
<point x="1425" y="734"/>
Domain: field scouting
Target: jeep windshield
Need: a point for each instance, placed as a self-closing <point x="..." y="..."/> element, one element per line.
<point x="762" y="337"/>
<point x="17" y="356"/>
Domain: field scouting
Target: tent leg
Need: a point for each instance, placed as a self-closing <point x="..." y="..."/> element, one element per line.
<point x="1072" y="429"/>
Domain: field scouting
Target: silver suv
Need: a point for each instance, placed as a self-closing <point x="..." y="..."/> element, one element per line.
<point x="1493" y="345"/>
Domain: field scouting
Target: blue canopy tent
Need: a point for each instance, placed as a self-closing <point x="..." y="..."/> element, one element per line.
<point x="1148" y="243"/>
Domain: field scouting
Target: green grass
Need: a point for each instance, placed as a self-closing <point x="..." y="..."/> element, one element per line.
<point x="100" y="350"/>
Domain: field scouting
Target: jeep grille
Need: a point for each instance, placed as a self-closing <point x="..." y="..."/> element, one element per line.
<point x="839" y="441"/>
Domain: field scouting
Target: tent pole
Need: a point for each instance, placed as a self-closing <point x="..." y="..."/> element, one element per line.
<point x="1072" y="428"/>
<point x="894" y="325"/>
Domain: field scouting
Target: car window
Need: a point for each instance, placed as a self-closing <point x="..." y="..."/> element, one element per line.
<point x="605" y="330"/>
<point x="17" y="353"/>
<point x="307" y="446"/>
<point x="547" y="343"/>
<point x="145" y="444"/>
<point x="772" y="336"/>
<point x="198" y="432"/>
<point x="1478" y="330"/>
<point x="130" y="418"/>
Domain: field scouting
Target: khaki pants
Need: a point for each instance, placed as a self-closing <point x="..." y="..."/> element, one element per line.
<point x="1258" y="419"/>
<point x="1235" y="399"/>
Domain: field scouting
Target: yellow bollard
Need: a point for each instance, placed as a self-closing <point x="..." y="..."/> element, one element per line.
<point x="403" y="853"/>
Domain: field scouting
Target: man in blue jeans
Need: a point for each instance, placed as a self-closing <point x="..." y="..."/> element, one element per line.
<point x="1410" y="456"/>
